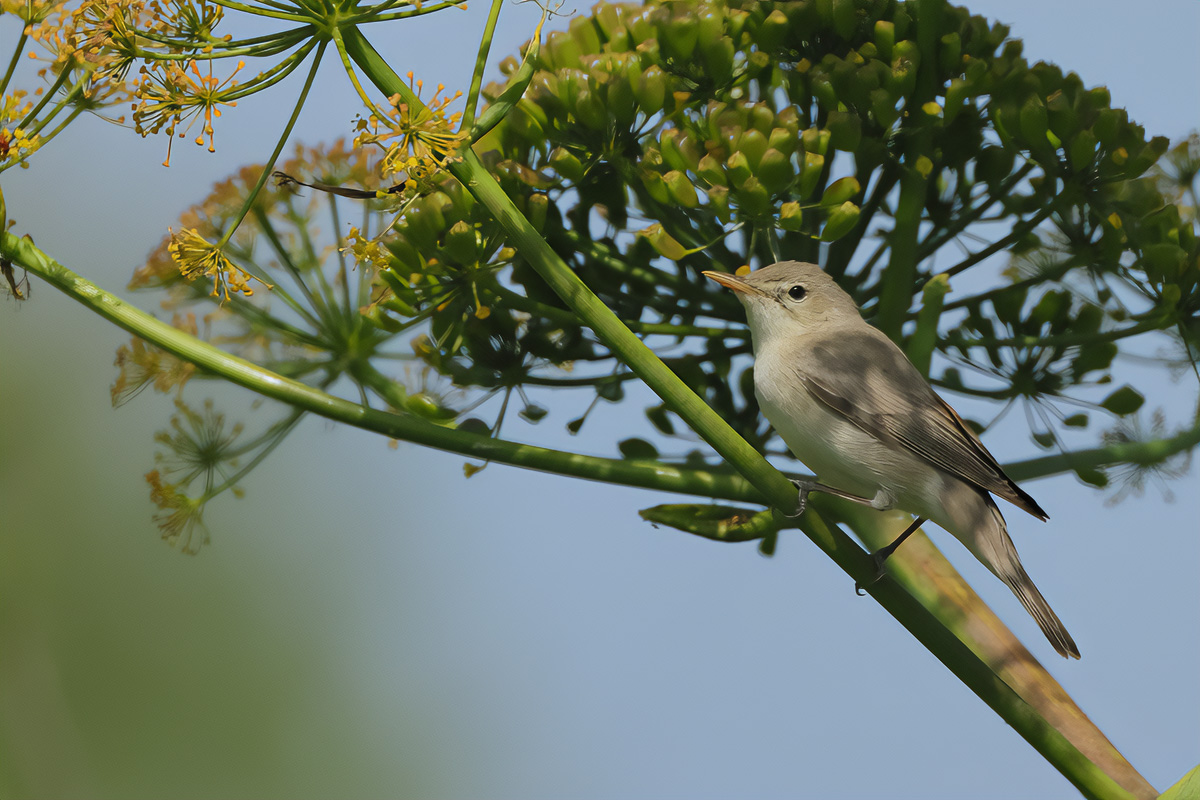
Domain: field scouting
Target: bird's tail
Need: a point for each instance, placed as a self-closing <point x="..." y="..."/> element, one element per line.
<point x="1007" y="565"/>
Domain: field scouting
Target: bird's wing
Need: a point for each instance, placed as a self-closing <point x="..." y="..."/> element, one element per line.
<point x="865" y="377"/>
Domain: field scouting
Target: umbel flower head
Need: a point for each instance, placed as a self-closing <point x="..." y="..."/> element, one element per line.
<point x="196" y="256"/>
<point x="172" y="94"/>
<point x="417" y="142"/>
<point x="181" y="518"/>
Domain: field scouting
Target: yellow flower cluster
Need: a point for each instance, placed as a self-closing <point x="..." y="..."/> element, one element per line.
<point x="171" y="92"/>
<point x="415" y="141"/>
<point x="195" y="256"/>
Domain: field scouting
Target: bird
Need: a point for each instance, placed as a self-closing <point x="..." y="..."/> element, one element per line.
<point x="849" y="404"/>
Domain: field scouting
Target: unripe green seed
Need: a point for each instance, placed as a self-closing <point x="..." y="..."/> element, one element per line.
<point x="753" y="199"/>
<point x="737" y="167"/>
<point x="840" y="191"/>
<point x="810" y="174"/>
<point x="566" y="164"/>
<point x="775" y="171"/>
<point x="461" y="244"/>
<point x="651" y="90"/>
<point x="656" y="187"/>
<point x="682" y="190"/>
<point x="840" y="222"/>
<point x="718" y="199"/>
<point x="710" y="170"/>
<point x="791" y="216"/>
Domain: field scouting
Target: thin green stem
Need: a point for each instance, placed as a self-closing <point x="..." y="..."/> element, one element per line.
<point x="269" y="167"/>
<point x="1142" y="453"/>
<point x="485" y="46"/>
<point x="259" y="11"/>
<point x="12" y="63"/>
<point x="416" y="12"/>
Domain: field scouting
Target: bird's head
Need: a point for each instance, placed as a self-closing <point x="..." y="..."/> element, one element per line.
<point x="789" y="299"/>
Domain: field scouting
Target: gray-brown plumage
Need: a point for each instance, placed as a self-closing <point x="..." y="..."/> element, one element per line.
<point x="854" y="409"/>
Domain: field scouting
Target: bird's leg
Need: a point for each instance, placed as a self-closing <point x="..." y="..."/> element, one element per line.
<point x="813" y="486"/>
<point x="881" y="555"/>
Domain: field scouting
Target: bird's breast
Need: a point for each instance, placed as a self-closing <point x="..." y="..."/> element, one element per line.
<point x="840" y="453"/>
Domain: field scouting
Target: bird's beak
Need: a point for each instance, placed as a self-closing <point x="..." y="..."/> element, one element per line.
<point x="733" y="282"/>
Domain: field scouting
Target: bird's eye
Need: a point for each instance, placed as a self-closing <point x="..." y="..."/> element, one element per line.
<point x="797" y="292"/>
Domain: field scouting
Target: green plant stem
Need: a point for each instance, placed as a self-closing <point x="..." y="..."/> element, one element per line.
<point x="485" y="46"/>
<point x="977" y="675"/>
<point x="1154" y="451"/>
<point x="269" y="167"/>
<point x="644" y="474"/>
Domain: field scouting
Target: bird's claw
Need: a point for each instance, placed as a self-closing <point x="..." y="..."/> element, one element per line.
<point x="878" y="560"/>
<point x="804" y="487"/>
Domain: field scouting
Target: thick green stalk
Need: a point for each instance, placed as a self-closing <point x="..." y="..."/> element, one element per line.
<point x="922" y="569"/>
<point x="977" y="675"/>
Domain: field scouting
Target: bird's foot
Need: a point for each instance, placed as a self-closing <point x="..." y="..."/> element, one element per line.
<point x="804" y="487"/>
<point x="878" y="558"/>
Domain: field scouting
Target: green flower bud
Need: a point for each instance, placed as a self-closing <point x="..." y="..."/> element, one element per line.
<point x="718" y="60"/>
<point x="815" y="141"/>
<point x="810" y="174"/>
<point x="566" y="164"/>
<point x="956" y="98"/>
<point x="775" y="170"/>
<point x="663" y="243"/>
<point x="656" y="186"/>
<point x="752" y="197"/>
<point x="712" y="28"/>
<point x="669" y="146"/>
<point x="752" y="144"/>
<point x="590" y="111"/>
<point x="885" y="38"/>
<point x="535" y="210"/>
<point x="840" y="222"/>
<point x="756" y="62"/>
<point x="883" y="107"/>
<point x="461" y="243"/>
<point x="682" y="190"/>
<point x="718" y="200"/>
<point x="789" y="117"/>
<point x="783" y="140"/>
<point x="651" y="90"/>
<point x="791" y="217"/>
<point x="736" y="23"/>
<point x="608" y="18"/>
<point x="845" y="18"/>
<point x="823" y="90"/>
<point x="563" y="50"/>
<point x="1034" y="122"/>
<point x="840" y="191"/>
<point x="737" y="167"/>
<point x="680" y="37"/>
<point x="761" y="117"/>
<point x="772" y="31"/>
<point x="620" y="101"/>
<point x="950" y="53"/>
<point x="584" y="32"/>
<point x="407" y="259"/>
<point x="710" y="170"/>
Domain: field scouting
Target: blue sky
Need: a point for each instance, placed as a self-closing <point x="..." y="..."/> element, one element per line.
<point x="516" y="634"/>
